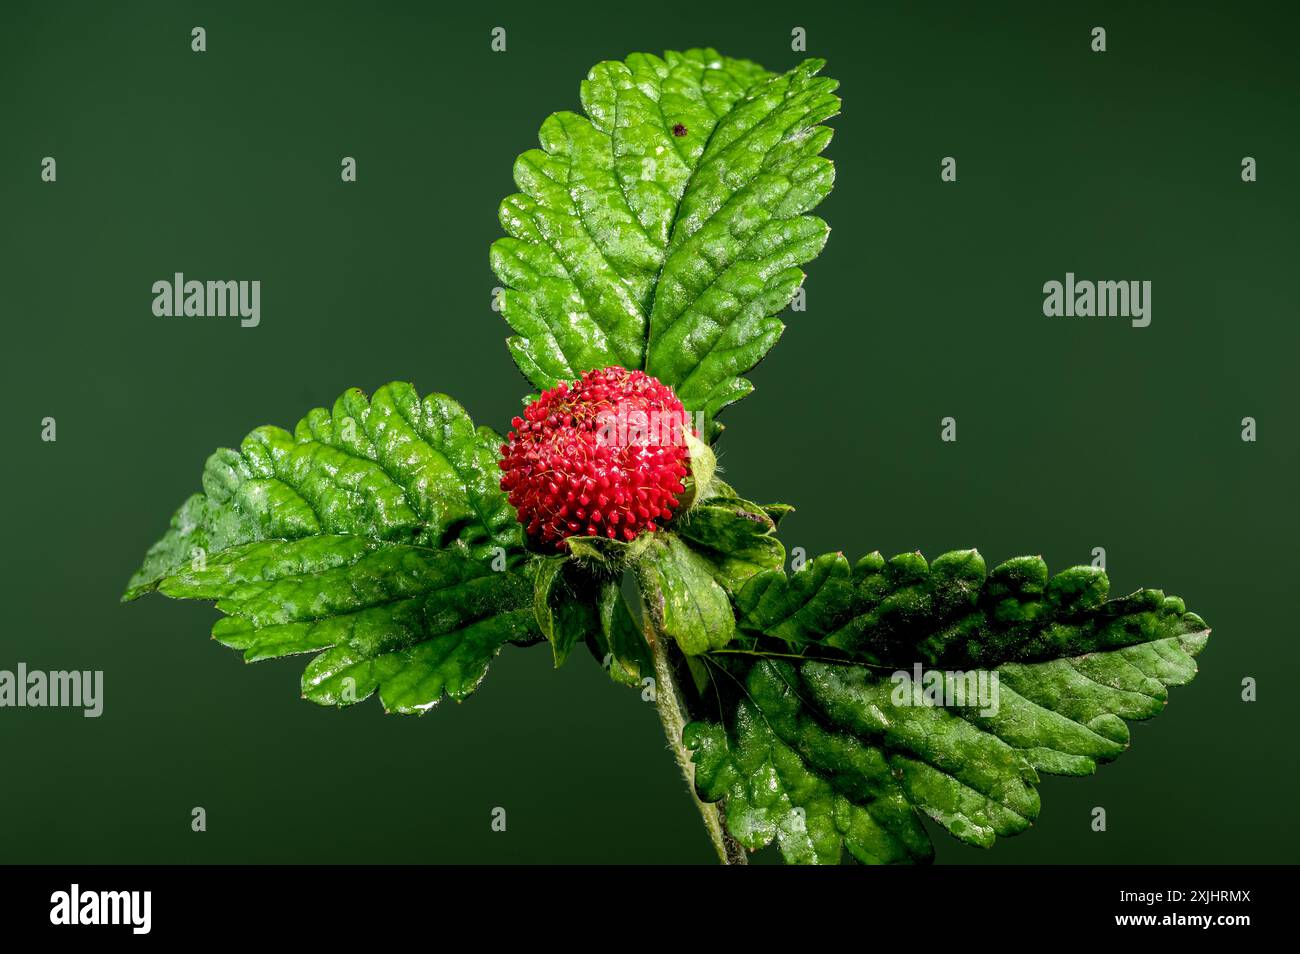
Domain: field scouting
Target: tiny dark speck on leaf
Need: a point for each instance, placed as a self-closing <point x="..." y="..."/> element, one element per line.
<point x="679" y="130"/>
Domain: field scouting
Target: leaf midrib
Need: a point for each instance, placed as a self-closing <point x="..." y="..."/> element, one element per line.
<point x="677" y="209"/>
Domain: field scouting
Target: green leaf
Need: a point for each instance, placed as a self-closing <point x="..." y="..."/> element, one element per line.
<point x="736" y="537"/>
<point x="741" y="234"/>
<point x="952" y="611"/>
<point x="619" y="644"/>
<point x="776" y="511"/>
<point x="802" y="607"/>
<point x="683" y="599"/>
<point x="390" y="468"/>
<point x="665" y="229"/>
<point x="926" y="689"/>
<point x="564" y="603"/>
<point x="784" y="777"/>
<point x="376" y="534"/>
<point x="410" y="622"/>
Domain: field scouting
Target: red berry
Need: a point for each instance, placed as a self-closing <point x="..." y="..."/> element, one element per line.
<point x="603" y="456"/>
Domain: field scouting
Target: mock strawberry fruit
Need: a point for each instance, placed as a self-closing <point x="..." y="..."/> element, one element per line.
<point x="603" y="456"/>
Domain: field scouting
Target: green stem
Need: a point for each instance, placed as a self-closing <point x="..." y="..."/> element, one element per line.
<point x="672" y="713"/>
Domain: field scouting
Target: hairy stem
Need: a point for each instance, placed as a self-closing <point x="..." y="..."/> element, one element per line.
<point x="672" y="714"/>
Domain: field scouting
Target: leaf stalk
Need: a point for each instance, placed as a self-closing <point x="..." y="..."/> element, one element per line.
<point x="672" y="709"/>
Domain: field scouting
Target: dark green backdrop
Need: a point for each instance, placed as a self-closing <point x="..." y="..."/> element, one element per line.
<point x="926" y="303"/>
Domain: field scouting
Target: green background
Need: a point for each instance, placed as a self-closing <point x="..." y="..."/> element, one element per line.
<point x="927" y="303"/>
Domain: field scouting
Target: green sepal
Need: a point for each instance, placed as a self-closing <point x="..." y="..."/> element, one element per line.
<point x="564" y="604"/>
<point x="605" y="554"/>
<point x="684" y="600"/>
<point x="619" y="643"/>
<point x="703" y="466"/>
<point x="778" y="512"/>
<point x="735" y="536"/>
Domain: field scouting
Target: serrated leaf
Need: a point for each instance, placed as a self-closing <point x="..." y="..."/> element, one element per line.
<point x="786" y="778"/>
<point x="408" y="621"/>
<point x="952" y="611"/>
<point x="843" y="751"/>
<point x="799" y="608"/>
<point x="390" y="468"/>
<point x="682" y="597"/>
<point x="665" y="229"/>
<point x="740" y="236"/>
